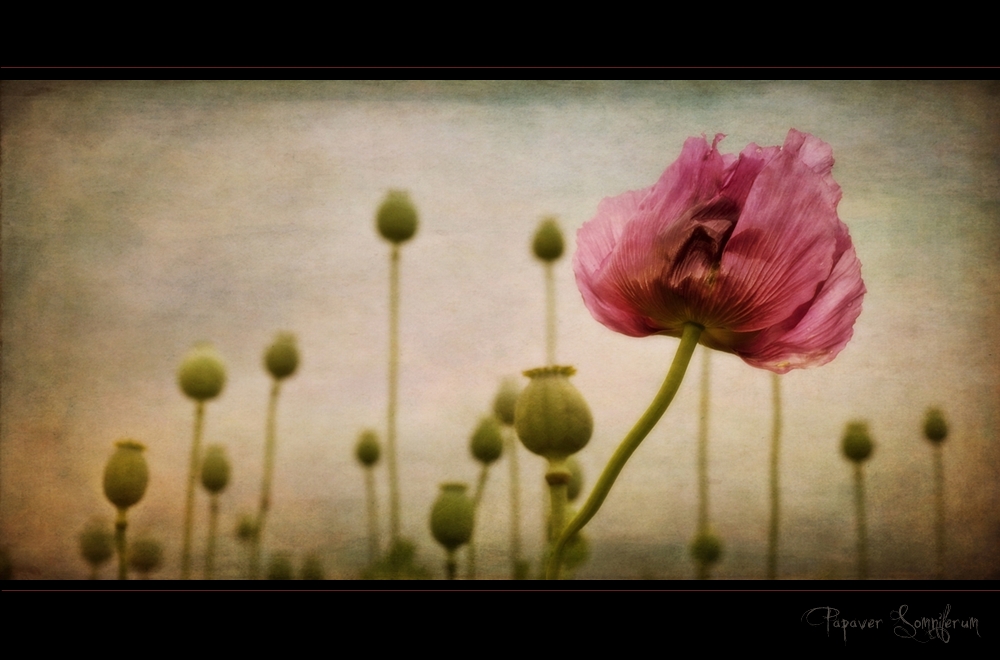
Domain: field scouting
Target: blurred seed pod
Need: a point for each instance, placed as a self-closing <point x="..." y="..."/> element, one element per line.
<point x="145" y="555"/>
<point x="857" y="443"/>
<point x="935" y="428"/>
<point x="706" y="549"/>
<point x="282" y="357"/>
<point x="215" y="469"/>
<point x="575" y="478"/>
<point x="506" y="401"/>
<point x="246" y="528"/>
<point x="312" y="568"/>
<point x="548" y="244"/>
<point x="552" y="419"/>
<point x="97" y="543"/>
<point x="202" y="374"/>
<point x="126" y="474"/>
<point x="487" y="440"/>
<point x="280" y="567"/>
<point x="367" y="450"/>
<point x="397" y="217"/>
<point x="452" y="516"/>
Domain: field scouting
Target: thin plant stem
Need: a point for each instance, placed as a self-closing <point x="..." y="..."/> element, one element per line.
<point x="213" y="526"/>
<point x="480" y="485"/>
<point x="772" y="532"/>
<point x="393" y="385"/>
<point x="515" y="504"/>
<point x="939" y="518"/>
<point x="689" y="340"/>
<point x="199" y="417"/>
<point x="120" y="524"/>
<point x="372" y="515"/>
<point x="859" y="500"/>
<point x="550" y="314"/>
<point x="451" y="566"/>
<point x="703" y="445"/>
<point x="270" y="443"/>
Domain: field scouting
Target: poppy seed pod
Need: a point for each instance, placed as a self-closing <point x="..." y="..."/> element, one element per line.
<point x="548" y="244"/>
<point x="506" y="401"/>
<point x="551" y="417"/>
<point x="97" y="543"/>
<point x="452" y="516"/>
<point x="282" y="357"/>
<point x="126" y="474"/>
<point x="935" y="428"/>
<point x="202" y="373"/>
<point x="575" y="484"/>
<point x="857" y="443"/>
<point x="397" y="217"/>
<point x="246" y="528"/>
<point x="706" y="548"/>
<point x="145" y="555"/>
<point x="487" y="440"/>
<point x="368" y="450"/>
<point x="215" y="469"/>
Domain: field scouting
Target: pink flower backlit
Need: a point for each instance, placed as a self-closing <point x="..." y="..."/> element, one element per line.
<point x="748" y="246"/>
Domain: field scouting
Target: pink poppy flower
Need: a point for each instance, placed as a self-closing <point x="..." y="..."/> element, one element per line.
<point x="749" y="247"/>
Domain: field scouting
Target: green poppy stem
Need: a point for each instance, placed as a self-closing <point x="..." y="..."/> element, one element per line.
<point x="550" y="314"/>
<point x="939" y="518"/>
<point x="702" y="567"/>
<point x="515" y="505"/>
<point x="372" y="515"/>
<point x="213" y="526"/>
<point x="270" y="443"/>
<point x="120" y="524"/>
<point x="689" y="340"/>
<point x="480" y="485"/>
<point x="451" y="565"/>
<point x="772" y="533"/>
<point x="199" y="417"/>
<point x="393" y="386"/>
<point x="859" y="501"/>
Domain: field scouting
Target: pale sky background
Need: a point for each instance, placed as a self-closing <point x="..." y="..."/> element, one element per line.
<point x="141" y="217"/>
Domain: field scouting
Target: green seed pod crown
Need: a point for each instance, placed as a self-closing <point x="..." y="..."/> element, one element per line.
<point x="397" y="217"/>
<point x="215" y="469"/>
<point x="935" y="428"/>
<point x="506" y="401"/>
<point x="551" y="417"/>
<point x="706" y="548"/>
<point x="202" y="374"/>
<point x="367" y="450"/>
<point x="857" y="443"/>
<point x="126" y="474"/>
<point x="548" y="244"/>
<point x="145" y="555"/>
<point x="452" y="516"/>
<point x="282" y="357"/>
<point x="487" y="440"/>
<point x="575" y="484"/>
<point x="97" y="543"/>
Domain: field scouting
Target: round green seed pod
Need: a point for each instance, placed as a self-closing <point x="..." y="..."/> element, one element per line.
<point x="487" y="440"/>
<point x="280" y="567"/>
<point x="548" y="244"/>
<point x="145" y="555"/>
<point x="282" y="357"/>
<point x="575" y="484"/>
<point x="215" y="469"/>
<point x="312" y="568"/>
<point x="452" y="516"/>
<point x="506" y="401"/>
<point x="551" y="417"/>
<point x="935" y="428"/>
<point x="246" y="528"/>
<point x="706" y="548"/>
<point x="126" y="474"/>
<point x="97" y="543"/>
<point x="202" y="374"/>
<point x="367" y="450"/>
<point x="397" y="217"/>
<point x="857" y="443"/>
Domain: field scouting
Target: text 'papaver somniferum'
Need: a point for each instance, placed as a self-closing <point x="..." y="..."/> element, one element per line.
<point x="750" y="247"/>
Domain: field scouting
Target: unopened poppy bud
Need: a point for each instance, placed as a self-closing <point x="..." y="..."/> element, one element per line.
<point x="552" y="419"/>
<point x="452" y="516"/>
<point x="202" y="373"/>
<point x="706" y="548"/>
<point x="857" y="443"/>
<point x="97" y="543"/>
<point x="367" y="450"/>
<point x="397" y="217"/>
<point x="126" y="474"/>
<point x="282" y="357"/>
<point x="145" y="555"/>
<point x="548" y="244"/>
<point x="487" y="440"/>
<point x="215" y="469"/>
<point x="246" y="528"/>
<point x="575" y="484"/>
<point x="935" y="428"/>
<point x="506" y="401"/>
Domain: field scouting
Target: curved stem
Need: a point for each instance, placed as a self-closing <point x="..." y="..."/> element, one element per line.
<point x="372" y="515"/>
<point x="265" y="487"/>
<point x="199" y="416"/>
<point x="480" y="485"/>
<point x="213" y="525"/>
<point x="772" y="532"/>
<point x="393" y="385"/>
<point x="859" y="501"/>
<point x="120" y="524"/>
<point x="515" y="504"/>
<point x="939" y="505"/>
<point x="550" y="314"/>
<point x="689" y="339"/>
